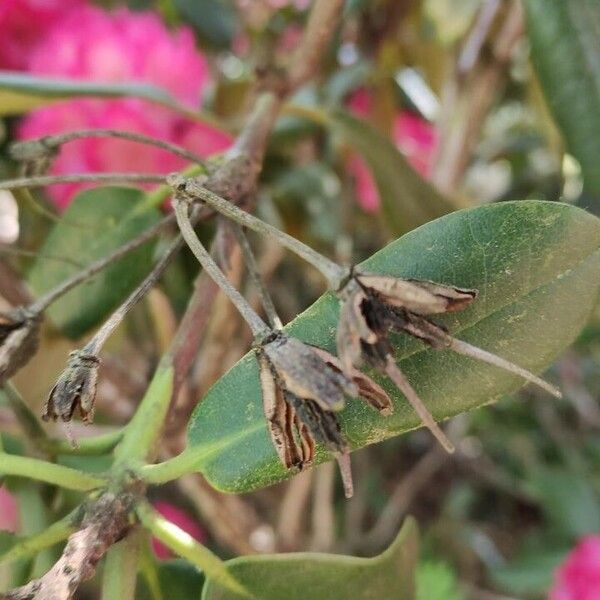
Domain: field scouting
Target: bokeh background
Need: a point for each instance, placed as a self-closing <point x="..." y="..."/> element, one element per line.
<point x="451" y="83"/>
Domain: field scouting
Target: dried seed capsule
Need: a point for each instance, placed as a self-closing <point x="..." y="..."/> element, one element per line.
<point x="304" y="374"/>
<point x="75" y="389"/>
<point x="372" y="305"/>
<point x="302" y="387"/>
<point x="19" y="340"/>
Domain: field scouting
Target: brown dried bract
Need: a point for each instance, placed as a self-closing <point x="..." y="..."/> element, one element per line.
<point x="75" y="389"/>
<point x="19" y="340"/>
<point x="368" y="390"/>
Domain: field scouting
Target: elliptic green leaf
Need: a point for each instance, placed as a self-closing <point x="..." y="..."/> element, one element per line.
<point x="407" y="199"/>
<point x="96" y="222"/>
<point x="537" y="268"/>
<point x="327" y="576"/>
<point x="566" y="54"/>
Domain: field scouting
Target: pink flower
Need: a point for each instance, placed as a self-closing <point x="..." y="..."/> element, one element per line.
<point x="181" y="519"/>
<point x="120" y="47"/>
<point x="9" y="512"/>
<point x="578" y="577"/>
<point x="23" y="23"/>
<point x="413" y="136"/>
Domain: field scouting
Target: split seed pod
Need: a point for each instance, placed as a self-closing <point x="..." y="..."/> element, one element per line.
<point x="302" y="388"/>
<point x="75" y="389"/>
<point x="373" y="305"/>
<point x="19" y="340"/>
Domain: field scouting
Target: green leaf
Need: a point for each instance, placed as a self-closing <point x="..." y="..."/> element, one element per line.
<point x="569" y="501"/>
<point x="407" y="199"/>
<point x="530" y="573"/>
<point x="96" y="222"/>
<point x="215" y="20"/>
<point x="326" y="576"/>
<point x="177" y="579"/>
<point x="537" y="267"/>
<point x="437" y="581"/>
<point x="20" y="93"/>
<point x="565" y="51"/>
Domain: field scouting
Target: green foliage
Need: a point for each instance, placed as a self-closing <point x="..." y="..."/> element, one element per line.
<point x="564" y="49"/>
<point x="569" y="501"/>
<point x="177" y="580"/>
<point x="529" y="261"/>
<point x="436" y="581"/>
<point x="407" y="199"/>
<point x="20" y="93"/>
<point x="215" y="20"/>
<point x="326" y="576"/>
<point x="96" y="223"/>
<point x="529" y="573"/>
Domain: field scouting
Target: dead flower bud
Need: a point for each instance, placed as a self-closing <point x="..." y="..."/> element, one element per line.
<point x="36" y="156"/>
<point x="373" y="305"/>
<point x="75" y="389"/>
<point x="302" y="386"/>
<point x="19" y="339"/>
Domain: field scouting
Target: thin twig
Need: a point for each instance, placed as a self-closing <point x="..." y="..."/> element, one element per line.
<point x="42" y="303"/>
<point x="94" y="345"/>
<point x="323" y="515"/>
<point x="42" y="255"/>
<point x="292" y="511"/>
<point x="256" y="324"/>
<point x="184" y="346"/>
<point x="322" y="21"/>
<point x="471" y="49"/>
<point x="40" y="147"/>
<point x="29" y="423"/>
<point x="114" y="178"/>
<point x="333" y="273"/>
<point x="467" y="100"/>
<point x="256" y="277"/>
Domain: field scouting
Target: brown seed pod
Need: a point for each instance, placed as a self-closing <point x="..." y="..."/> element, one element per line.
<point x="19" y="340"/>
<point x="302" y="387"/>
<point x="374" y="305"/>
<point x="75" y="389"/>
<point x="303" y="373"/>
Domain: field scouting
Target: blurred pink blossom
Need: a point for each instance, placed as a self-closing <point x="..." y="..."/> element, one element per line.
<point x="414" y="137"/>
<point x="23" y="23"/>
<point x="180" y="518"/>
<point x="120" y="47"/>
<point x="578" y="577"/>
<point x="9" y="512"/>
